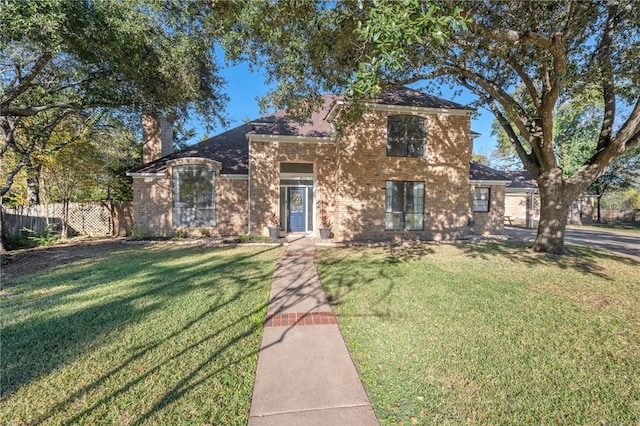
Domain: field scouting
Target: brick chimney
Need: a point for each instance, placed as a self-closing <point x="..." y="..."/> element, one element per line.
<point x="157" y="137"/>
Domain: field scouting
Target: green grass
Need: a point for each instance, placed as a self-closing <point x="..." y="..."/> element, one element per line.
<point x="490" y="333"/>
<point x="250" y="238"/>
<point x="152" y="334"/>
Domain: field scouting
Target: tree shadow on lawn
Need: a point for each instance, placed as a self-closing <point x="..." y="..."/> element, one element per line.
<point x="400" y="253"/>
<point x="37" y="346"/>
<point x="372" y="266"/>
<point x="579" y="258"/>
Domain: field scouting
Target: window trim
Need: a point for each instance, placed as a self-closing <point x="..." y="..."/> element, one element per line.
<point x="486" y="209"/>
<point x="405" y="212"/>
<point x="407" y="143"/>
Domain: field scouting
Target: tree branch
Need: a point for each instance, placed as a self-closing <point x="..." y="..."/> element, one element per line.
<point x="511" y="36"/>
<point x="627" y="137"/>
<point x="10" y="176"/>
<point x="526" y="80"/>
<point x="560" y="63"/>
<point x="527" y="159"/>
<point x="630" y="128"/>
<point x="31" y="111"/>
<point x="25" y="82"/>
<point x="516" y="113"/>
<point x="606" y="69"/>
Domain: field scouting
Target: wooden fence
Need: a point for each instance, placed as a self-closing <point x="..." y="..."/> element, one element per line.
<point x="620" y="215"/>
<point x="102" y="218"/>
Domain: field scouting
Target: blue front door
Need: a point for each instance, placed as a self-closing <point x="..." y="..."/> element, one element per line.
<point x="297" y="208"/>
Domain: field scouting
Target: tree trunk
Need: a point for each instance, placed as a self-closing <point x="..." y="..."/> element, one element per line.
<point x="554" y="211"/>
<point x="3" y="251"/>
<point x="33" y="186"/>
<point x="65" y="218"/>
<point x="598" y="201"/>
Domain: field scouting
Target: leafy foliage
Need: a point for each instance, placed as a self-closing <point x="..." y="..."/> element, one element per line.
<point x="62" y="57"/>
<point x="83" y="159"/>
<point x="576" y="127"/>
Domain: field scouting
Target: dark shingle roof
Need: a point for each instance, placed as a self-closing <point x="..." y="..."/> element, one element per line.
<point x="479" y="171"/>
<point x="521" y="179"/>
<point x="403" y="96"/>
<point x="231" y="148"/>
<point x="316" y="126"/>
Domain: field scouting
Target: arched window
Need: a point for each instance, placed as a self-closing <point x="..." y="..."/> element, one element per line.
<point x="194" y="196"/>
<point x="406" y="136"/>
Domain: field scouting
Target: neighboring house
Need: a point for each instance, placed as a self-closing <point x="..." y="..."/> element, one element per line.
<point x="522" y="202"/>
<point x="488" y="198"/>
<point x="402" y="172"/>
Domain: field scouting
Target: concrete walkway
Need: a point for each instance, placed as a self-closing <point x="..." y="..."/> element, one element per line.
<point x="305" y="375"/>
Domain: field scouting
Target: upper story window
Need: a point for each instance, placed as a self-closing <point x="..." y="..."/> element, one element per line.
<point x="194" y="196"/>
<point x="406" y="136"/>
<point x="481" y="198"/>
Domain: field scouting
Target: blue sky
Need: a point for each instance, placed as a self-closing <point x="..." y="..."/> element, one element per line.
<point x="243" y="87"/>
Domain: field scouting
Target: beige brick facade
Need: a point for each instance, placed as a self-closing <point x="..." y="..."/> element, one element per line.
<point x="351" y="174"/>
<point x="152" y="200"/>
<point x="491" y="222"/>
<point x="153" y="212"/>
<point x="348" y="180"/>
<point x="365" y="167"/>
<point x="517" y="208"/>
<point x="265" y="158"/>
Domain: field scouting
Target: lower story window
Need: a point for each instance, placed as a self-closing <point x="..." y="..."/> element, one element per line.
<point x="481" y="199"/>
<point x="194" y="196"/>
<point x="404" y="206"/>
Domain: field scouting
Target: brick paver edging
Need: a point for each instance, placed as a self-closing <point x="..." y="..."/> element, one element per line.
<point x="299" y="318"/>
<point x="296" y="254"/>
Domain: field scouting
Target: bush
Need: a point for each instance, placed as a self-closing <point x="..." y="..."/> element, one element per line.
<point x="17" y="242"/>
<point x="253" y="239"/>
<point x="139" y="233"/>
<point x="48" y="237"/>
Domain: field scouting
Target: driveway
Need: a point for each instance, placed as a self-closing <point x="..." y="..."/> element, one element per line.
<point x="627" y="244"/>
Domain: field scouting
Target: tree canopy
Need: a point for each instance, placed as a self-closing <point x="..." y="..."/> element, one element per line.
<point x="59" y="58"/>
<point x="555" y="50"/>
<point x="576" y="127"/>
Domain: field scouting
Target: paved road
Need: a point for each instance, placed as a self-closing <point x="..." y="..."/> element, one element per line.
<point x="627" y="244"/>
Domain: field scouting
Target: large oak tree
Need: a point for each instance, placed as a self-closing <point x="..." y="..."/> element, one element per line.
<point x="554" y="50"/>
<point x="64" y="58"/>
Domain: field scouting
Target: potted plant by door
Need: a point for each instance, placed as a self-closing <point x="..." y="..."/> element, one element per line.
<point x="325" y="231"/>
<point x="274" y="225"/>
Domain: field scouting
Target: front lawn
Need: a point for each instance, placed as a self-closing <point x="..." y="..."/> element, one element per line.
<point x="490" y="333"/>
<point x="153" y="334"/>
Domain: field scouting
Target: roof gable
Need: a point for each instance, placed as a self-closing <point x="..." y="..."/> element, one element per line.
<point x="281" y="123"/>
<point x="230" y="148"/>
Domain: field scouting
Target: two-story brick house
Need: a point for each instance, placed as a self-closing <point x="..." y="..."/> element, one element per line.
<point x="402" y="172"/>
